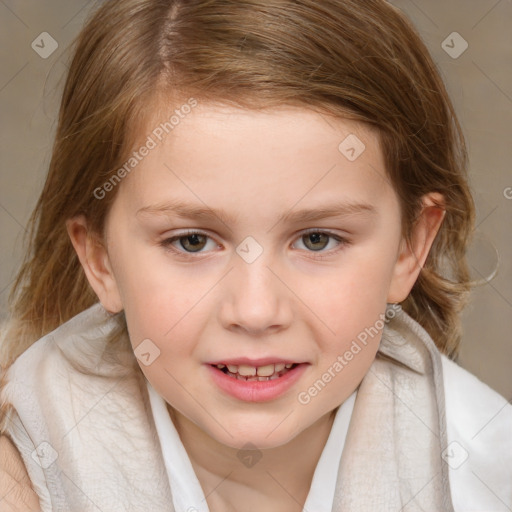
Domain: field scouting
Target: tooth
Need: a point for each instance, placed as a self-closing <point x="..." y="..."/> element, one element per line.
<point x="289" y="365"/>
<point x="220" y="366"/>
<point x="232" y="368"/>
<point x="246" y="371"/>
<point x="266" y="371"/>
<point x="239" y="377"/>
<point x="261" y="379"/>
<point x="279" y="367"/>
<point x="250" y="379"/>
<point x="274" y="377"/>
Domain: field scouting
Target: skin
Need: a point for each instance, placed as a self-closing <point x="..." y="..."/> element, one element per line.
<point x="15" y="487"/>
<point x="288" y="303"/>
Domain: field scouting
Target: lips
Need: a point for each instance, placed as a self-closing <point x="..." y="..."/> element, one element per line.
<point x="256" y="386"/>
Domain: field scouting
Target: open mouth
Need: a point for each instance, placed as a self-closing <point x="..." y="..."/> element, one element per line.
<point x="253" y="373"/>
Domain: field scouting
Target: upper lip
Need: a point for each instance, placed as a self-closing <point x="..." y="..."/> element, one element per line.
<point x="263" y="361"/>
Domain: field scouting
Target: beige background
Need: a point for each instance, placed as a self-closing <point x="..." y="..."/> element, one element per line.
<point x="479" y="80"/>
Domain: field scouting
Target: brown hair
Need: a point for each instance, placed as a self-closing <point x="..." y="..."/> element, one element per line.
<point x="358" y="59"/>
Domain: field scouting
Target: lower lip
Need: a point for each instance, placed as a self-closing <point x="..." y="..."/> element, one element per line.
<point x="256" y="391"/>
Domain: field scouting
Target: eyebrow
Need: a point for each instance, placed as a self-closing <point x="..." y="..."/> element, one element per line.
<point x="188" y="211"/>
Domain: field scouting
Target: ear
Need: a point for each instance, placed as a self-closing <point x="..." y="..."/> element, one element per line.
<point x="95" y="262"/>
<point x="412" y="255"/>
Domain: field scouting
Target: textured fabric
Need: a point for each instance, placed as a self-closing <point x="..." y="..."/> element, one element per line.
<point x="98" y="447"/>
<point x="392" y="458"/>
<point x="96" y="442"/>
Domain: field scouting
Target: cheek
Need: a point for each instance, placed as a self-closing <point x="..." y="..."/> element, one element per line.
<point x="172" y="322"/>
<point x="170" y="334"/>
<point x="351" y="307"/>
<point x="155" y="294"/>
<point x="351" y="297"/>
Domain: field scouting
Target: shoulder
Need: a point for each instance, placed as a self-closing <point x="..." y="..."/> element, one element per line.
<point x="70" y="398"/>
<point x="479" y="449"/>
<point x="84" y="357"/>
<point x="78" y="346"/>
<point x="15" y="488"/>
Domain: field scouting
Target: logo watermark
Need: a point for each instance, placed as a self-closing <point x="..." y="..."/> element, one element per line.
<point x="304" y="397"/>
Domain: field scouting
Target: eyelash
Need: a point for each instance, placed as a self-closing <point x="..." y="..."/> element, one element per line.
<point x="317" y="255"/>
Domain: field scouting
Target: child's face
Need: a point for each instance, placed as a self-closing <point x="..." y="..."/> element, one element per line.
<point x="252" y="286"/>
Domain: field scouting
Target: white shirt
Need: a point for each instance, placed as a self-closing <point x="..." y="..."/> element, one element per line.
<point x="479" y="450"/>
<point x="186" y="491"/>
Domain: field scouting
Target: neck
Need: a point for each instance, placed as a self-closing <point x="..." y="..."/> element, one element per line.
<point x="282" y="475"/>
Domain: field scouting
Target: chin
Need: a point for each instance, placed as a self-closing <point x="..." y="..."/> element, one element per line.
<point x="263" y="434"/>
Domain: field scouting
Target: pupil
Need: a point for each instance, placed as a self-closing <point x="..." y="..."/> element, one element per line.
<point x="193" y="242"/>
<point x="316" y="239"/>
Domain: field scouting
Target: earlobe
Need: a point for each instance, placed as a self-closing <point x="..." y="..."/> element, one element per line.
<point x="96" y="263"/>
<point x="413" y="254"/>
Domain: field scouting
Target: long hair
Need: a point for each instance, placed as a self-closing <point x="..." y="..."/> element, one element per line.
<point x="357" y="59"/>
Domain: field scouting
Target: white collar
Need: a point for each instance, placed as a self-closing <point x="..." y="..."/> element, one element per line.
<point x="187" y="492"/>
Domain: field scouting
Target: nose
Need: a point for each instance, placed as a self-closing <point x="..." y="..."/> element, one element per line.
<point x="255" y="300"/>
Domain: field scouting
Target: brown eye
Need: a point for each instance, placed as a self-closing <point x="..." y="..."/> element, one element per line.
<point x="316" y="241"/>
<point x="193" y="243"/>
<point x="190" y="242"/>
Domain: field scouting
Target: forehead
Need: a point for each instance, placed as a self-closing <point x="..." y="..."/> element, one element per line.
<point x="216" y="153"/>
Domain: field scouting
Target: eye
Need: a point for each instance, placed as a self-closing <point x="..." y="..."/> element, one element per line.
<point x="314" y="241"/>
<point x="317" y="241"/>
<point x="189" y="242"/>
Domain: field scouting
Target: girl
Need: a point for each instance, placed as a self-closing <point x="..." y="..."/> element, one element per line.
<point x="246" y="272"/>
